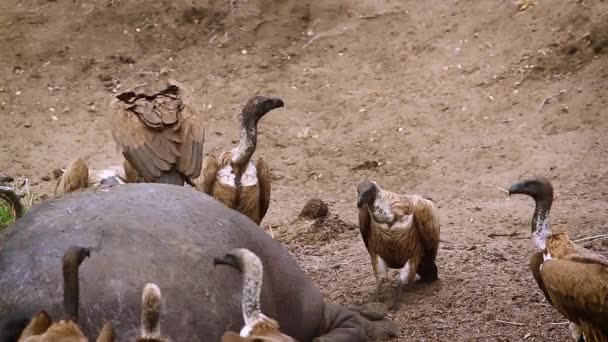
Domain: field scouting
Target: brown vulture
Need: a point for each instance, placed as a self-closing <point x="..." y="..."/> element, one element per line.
<point x="233" y="179"/>
<point x="159" y="133"/>
<point x="573" y="279"/>
<point x="399" y="232"/>
<point x="258" y="327"/>
<point x="42" y="329"/>
<point x="78" y="176"/>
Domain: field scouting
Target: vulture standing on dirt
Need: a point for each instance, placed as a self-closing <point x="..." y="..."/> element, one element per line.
<point x="234" y="180"/>
<point x="258" y="327"/>
<point x="159" y="134"/>
<point x="573" y="279"/>
<point x="399" y="232"/>
<point x="40" y="328"/>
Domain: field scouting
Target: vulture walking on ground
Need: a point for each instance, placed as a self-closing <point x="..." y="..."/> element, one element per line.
<point x="233" y="179"/>
<point x="159" y="133"/>
<point x="573" y="279"/>
<point x="399" y="232"/>
<point x="258" y="327"/>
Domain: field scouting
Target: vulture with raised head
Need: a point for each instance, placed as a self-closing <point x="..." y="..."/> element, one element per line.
<point x="233" y="179"/>
<point x="258" y="327"/>
<point x="159" y="133"/>
<point x="573" y="279"/>
<point x="399" y="232"/>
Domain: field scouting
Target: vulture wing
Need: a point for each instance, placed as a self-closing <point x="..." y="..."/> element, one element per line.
<point x="210" y="168"/>
<point x="536" y="261"/>
<point x="264" y="181"/>
<point x="426" y="220"/>
<point x="365" y="224"/>
<point x="578" y="288"/>
<point x="158" y="133"/>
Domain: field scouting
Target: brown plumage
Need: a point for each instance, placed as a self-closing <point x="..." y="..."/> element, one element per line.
<point x="399" y="232"/>
<point x="40" y="328"/>
<point x="159" y="133"/>
<point x="258" y="327"/>
<point x="150" y="314"/>
<point x="573" y="279"/>
<point x="76" y="176"/>
<point x="233" y="179"/>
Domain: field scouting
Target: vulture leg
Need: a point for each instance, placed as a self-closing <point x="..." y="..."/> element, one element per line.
<point x="172" y="177"/>
<point x="427" y="269"/>
<point x="75" y="177"/>
<point x="536" y="261"/>
<point x="106" y="334"/>
<point x="263" y="172"/>
<point x="210" y="168"/>
<point x="381" y="272"/>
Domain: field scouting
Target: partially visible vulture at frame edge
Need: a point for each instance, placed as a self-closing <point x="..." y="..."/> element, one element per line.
<point x="159" y="133"/>
<point x="573" y="279"/>
<point x="399" y="232"/>
<point x="233" y="179"/>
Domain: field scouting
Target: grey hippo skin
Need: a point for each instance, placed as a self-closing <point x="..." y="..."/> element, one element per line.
<point x="169" y="235"/>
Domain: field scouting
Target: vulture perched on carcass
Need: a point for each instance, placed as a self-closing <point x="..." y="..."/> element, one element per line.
<point x="399" y="232"/>
<point x="258" y="327"/>
<point x="573" y="279"/>
<point x="159" y="133"/>
<point x="42" y="329"/>
<point x="233" y="179"/>
<point x="150" y="314"/>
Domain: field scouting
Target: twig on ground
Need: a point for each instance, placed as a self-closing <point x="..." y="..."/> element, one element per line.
<point x="511" y="323"/>
<point x="271" y="231"/>
<point x="503" y="190"/>
<point x="559" y="323"/>
<point x="321" y="35"/>
<point x="590" y="238"/>
<point x="549" y="98"/>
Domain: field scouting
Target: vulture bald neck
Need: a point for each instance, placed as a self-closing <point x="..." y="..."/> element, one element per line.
<point x="72" y="259"/>
<point x="251" y="114"/>
<point x="541" y="190"/>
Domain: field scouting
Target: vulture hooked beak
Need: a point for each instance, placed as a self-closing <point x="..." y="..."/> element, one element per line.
<point x="539" y="188"/>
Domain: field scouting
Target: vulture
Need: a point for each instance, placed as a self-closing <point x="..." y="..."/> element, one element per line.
<point x="258" y="327"/>
<point x="399" y="232"/>
<point x="573" y="279"/>
<point x="78" y="176"/>
<point x="41" y="328"/>
<point x="159" y="133"/>
<point x="233" y="179"/>
<point x="150" y="314"/>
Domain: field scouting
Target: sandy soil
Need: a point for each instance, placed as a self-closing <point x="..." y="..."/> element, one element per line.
<point x="450" y="99"/>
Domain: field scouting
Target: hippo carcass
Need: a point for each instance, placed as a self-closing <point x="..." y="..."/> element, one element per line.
<point x="169" y="235"/>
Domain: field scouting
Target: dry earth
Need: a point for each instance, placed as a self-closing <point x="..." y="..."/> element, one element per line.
<point x="447" y="98"/>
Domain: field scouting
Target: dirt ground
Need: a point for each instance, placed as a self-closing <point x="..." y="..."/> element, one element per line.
<point x="446" y="98"/>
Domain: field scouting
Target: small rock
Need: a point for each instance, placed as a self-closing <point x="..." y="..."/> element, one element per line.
<point x="374" y="311"/>
<point x="314" y="209"/>
<point x="27" y="124"/>
<point x="46" y="178"/>
<point x="382" y="330"/>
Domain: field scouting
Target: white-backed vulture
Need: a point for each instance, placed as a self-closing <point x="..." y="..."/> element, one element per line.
<point x="573" y="279"/>
<point x="40" y="328"/>
<point x="159" y="133"/>
<point x="233" y="179"/>
<point x="150" y="314"/>
<point x="399" y="232"/>
<point x="258" y="327"/>
<point x="78" y="176"/>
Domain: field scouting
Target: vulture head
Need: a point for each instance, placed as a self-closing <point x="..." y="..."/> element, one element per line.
<point x="258" y="106"/>
<point x="366" y="193"/>
<point x="539" y="188"/>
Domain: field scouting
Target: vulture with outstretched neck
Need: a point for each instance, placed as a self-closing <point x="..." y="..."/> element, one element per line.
<point x="573" y="279"/>
<point x="258" y="327"/>
<point x="233" y="179"/>
<point x="399" y="232"/>
<point x="159" y="133"/>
